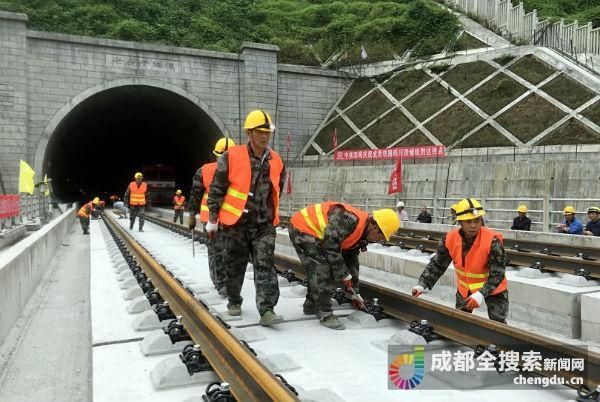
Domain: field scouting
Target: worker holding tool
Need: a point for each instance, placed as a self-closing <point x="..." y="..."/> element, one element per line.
<point x="328" y="238"/>
<point x="198" y="202"/>
<point x="479" y="263"/>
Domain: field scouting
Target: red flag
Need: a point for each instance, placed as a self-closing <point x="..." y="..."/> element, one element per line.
<point x="288" y="189"/>
<point x="396" y="178"/>
<point x="334" y="138"/>
<point x="288" y="146"/>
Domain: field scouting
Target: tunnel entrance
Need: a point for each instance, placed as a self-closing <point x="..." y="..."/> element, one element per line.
<point x="96" y="149"/>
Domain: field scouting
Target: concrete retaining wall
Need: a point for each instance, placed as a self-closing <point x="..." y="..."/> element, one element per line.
<point x="24" y="264"/>
<point x="562" y="182"/>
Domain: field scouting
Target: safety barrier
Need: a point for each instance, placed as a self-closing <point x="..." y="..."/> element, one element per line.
<point x="511" y="21"/>
<point x="22" y="209"/>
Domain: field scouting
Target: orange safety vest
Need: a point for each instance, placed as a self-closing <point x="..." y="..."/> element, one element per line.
<point x="472" y="274"/>
<point x="240" y="176"/>
<point x="137" y="195"/>
<point x="313" y="219"/>
<point x="179" y="201"/>
<point x="208" y="173"/>
<point x="83" y="213"/>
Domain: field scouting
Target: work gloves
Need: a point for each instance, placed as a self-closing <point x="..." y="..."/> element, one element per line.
<point x="347" y="281"/>
<point x="191" y="222"/>
<point x="474" y="301"/>
<point x="211" y="229"/>
<point x="417" y="291"/>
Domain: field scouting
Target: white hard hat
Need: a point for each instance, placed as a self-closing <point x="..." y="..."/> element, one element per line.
<point x="400" y="204"/>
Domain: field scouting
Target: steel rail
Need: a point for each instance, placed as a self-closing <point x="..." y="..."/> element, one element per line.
<point x="459" y="326"/>
<point x="527" y="246"/>
<point x="465" y="328"/>
<point x="250" y="380"/>
<point x="549" y="262"/>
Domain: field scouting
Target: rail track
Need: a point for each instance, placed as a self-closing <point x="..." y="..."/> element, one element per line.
<point x="249" y="379"/>
<point x="546" y="257"/>
<point x="461" y="327"/>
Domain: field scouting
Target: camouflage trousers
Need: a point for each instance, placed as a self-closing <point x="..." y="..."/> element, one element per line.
<point x="497" y="305"/>
<point x="318" y="273"/>
<point x="258" y="242"/>
<point x="135" y="210"/>
<point x="218" y="275"/>
<point x="178" y="214"/>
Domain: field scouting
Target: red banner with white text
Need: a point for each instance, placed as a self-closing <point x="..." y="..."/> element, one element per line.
<point x="418" y="152"/>
<point x="396" y="179"/>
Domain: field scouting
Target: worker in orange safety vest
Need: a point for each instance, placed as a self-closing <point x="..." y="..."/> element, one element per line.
<point x="84" y="214"/>
<point x="199" y="203"/>
<point x="178" y="206"/>
<point x="137" y="197"/>
<point x="479" y="263"/>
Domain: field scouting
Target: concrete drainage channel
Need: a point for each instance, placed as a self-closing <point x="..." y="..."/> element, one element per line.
<point x="210" y="352"/>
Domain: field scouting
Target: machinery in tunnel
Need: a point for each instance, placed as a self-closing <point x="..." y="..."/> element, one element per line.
<point x="96" y="149"/>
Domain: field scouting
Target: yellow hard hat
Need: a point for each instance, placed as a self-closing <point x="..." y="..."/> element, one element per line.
<point x="96" y="200"/>
<point x="522" y="208"/>
<point x="594" y="209"/>
<point x="138" y="174"/>
<point x="178" y="192"/>
<point x="387" y="220"/>
<point x="568" y="210"/>
<point x="259" y="120"/>
<point x="467" y="209"/>
<point x="223" y="145"/>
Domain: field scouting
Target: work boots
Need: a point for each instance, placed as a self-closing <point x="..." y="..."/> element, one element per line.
<point x="130" y="225"/>
<point x="270" y="318"/>
<point x="332" y="322"/>
<point x="308" y="308"/>
<point x="234" y="310"/>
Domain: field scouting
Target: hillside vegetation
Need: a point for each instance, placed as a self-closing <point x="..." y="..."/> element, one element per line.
<point x="570" y="10"/>
<point x="306" y="30"/>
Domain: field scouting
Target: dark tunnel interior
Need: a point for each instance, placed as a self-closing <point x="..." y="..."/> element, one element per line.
<point x="103" y="141"/>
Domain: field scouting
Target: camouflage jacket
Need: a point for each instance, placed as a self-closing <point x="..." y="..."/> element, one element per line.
<point x="196" y="193"/>
<point x="260" y="205"/>
<point x="341" y="224"/>
<point x="441" y="260"/>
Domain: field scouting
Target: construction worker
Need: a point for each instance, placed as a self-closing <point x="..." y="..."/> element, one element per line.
<point x="592" y="227"/>
<point x="402" y="214"/>
<point x="178" y="206"/>
<point x="136" y="198"/>
<point x="571" y="225"/>
<point x="328" y="238"/>
<point x="479" y="263"/>
<point x="84" y="215"/>
<point x="521" y="222"/>
<point x="119" y="208"/>
<point x="424" y="216"/>
<point x="98" y="208"/>
<point x="199" y="202"/>
<point x="244" y="199"/>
